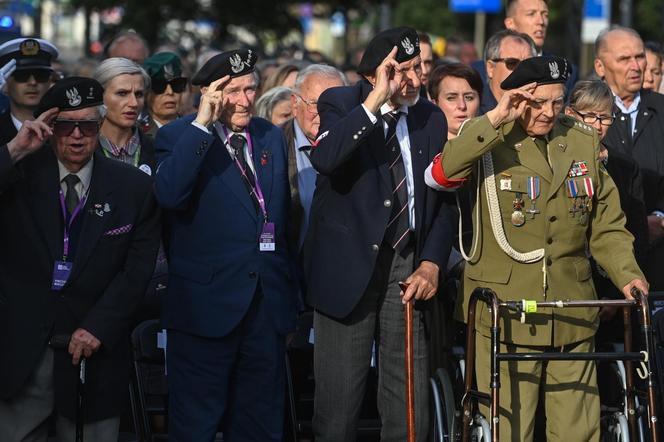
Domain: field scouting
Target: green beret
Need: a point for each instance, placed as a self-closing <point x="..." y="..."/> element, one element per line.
<point x="163" y="66"/>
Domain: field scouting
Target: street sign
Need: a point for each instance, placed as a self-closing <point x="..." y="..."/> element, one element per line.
<point x="488" y="6"/>
<point x="596" y="16"/>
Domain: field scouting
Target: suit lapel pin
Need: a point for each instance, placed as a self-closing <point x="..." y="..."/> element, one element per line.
<point x="264" y="157"/>
<point x="101" y="209"/>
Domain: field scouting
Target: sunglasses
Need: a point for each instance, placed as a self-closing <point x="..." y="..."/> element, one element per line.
<point x="177" y="84"/>
<point x="64" y="128"/>
<point x="40" y="75"/>
<point x="510" y="63"/>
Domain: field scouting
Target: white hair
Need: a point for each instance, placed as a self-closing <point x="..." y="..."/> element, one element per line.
<point x="112" y="67"/>
<point x="322" y="70"/>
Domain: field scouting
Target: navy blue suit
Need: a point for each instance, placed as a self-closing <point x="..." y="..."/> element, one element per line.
<point x="349" y="214"/>
<point x="220" y="285"/>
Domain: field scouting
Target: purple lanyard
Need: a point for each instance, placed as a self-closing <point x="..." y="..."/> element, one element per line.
<point x="77" y="210"/>
<point x="256" y="189"/>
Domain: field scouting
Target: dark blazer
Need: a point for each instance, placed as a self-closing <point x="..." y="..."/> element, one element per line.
<point x="349" y="211"/>
<point x="646" y="148"/>
<point x="214" y="261"/>
<point x="7" y="129"/>
<point x="111" y="270"/>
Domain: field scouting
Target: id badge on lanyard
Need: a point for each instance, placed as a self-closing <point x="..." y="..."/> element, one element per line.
<point x="62" y="269"/>
<point x="267" y="239"/>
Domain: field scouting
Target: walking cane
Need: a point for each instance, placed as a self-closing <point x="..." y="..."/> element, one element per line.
<point x="410" y="382"/>
<point x="61" y="342"/>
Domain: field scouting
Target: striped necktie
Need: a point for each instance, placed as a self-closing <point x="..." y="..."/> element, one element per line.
<point x="397" y="233"/>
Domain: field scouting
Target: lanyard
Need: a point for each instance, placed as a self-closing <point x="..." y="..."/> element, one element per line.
<point x="77" y="210"/>
<point x="255" y="189"/>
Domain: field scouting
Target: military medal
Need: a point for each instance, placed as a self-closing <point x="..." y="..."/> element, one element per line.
<point x="573" y="192"/>
<point x="579" y="168"/>
<point x="586" y="205"/>
<point x="533" y="194"/>
<point x="506" y="181"/>
<point x="518" y="218"/>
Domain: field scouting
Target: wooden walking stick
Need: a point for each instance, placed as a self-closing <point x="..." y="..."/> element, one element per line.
<point x="410" y="381"/>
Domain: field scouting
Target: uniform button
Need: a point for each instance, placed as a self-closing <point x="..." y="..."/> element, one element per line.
<point x="387" y="203"/>
<point x="374" y="247"/>
<point x="364" y="128"/>
<point x="252" y="274"/>
<point x="549" y="241"/>
<point x="552" y="218"/>
<point x="355" y="137"/>
<point x="204" y="143"/>
<point x="480" y="138"/>
<point x="548" y="261"/>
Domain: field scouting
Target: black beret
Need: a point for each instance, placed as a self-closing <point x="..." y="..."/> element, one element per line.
<point x="404" y="38"/>
<point x="29" y="53"/>
<point x="234" y="63"/>
<point x="547" y="69"/>
<point x="70" y="94"/>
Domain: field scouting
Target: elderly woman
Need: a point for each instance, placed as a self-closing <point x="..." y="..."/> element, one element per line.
<point x="456" y="89"/>
<point x="167" y="84"/>
<point x="125" y="84"/>
<point x="275" y="105"/>
<point x="591" y="102"/>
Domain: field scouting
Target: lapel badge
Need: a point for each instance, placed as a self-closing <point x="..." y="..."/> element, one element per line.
<point x="101" y="209"/>
<point x="265" y="155"/>
<point x="562" y="146"/>
<point x="517" y="146"/>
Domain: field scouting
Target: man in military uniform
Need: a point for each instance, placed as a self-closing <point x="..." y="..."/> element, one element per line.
<point x="167" y="85"/>
<point x="544" y="198"/>
<point x="27" y="84"/>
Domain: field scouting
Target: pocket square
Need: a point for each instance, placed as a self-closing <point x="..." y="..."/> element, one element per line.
<point x="119" y="230"/>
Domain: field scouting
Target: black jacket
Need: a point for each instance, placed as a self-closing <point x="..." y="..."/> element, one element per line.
<point x="349" y="213"/>
<point x="7" y="128"/>
<point x="114" y="258"/>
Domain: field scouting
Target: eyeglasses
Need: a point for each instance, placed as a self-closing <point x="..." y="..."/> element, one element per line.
<point x="510" y="63"/>
<point x="311" y="105"/>
<point x="177" y="85"/>
<point x="589" y="118"/>
<point x="40" y="75"/>
<point x="64" y="128"/>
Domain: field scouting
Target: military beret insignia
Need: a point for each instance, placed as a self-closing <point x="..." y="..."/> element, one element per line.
<point x="546" y="69"/>
<point x="66" y="95"/>
<point x="234" y="63"/>
<point x="404" y="38"/>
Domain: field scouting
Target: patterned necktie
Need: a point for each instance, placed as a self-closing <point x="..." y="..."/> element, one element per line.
<point x="71" y="196"/>
<point x="398" y="228"/>
<point x="237" y="142"/>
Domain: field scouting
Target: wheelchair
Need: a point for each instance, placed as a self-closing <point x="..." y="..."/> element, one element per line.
<point x="631" y="415"/>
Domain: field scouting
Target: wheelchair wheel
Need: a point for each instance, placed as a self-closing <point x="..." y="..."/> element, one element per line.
<point x="444" y="407"/>
<point x="617" y="428"/>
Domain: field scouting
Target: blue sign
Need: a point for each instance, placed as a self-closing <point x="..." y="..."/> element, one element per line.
<point x="491" y="6"/>
<point x="596" y="8"/>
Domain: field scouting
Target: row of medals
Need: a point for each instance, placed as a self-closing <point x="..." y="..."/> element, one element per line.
<point x="519" y="218"/>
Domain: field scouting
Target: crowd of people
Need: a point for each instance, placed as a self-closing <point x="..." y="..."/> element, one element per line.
<point x="266" y="188"/>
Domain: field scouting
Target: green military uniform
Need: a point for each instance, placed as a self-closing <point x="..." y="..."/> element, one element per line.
<point x="543" y="256"/>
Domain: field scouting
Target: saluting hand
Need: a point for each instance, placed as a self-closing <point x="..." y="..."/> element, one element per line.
<point x="212" y="102"/>
<point x="511" y="105"/>
<point x="388" y="78"/>
<point x="32" y="135"/>
<point x="423" y="283"/>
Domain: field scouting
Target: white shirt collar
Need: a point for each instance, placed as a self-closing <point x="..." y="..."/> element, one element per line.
<point x="17" y="123"/>
<point x="386" y="108"/>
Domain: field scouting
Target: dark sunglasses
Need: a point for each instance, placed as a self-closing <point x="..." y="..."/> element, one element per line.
<point x="177" y="84"/>
<point x="64" y="128"/>
<point x="510" y="63"/>
<point x="40" y="75"/>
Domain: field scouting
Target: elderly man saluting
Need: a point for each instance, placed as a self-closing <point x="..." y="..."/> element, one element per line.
<point x="544" y="196"/>
<point x="222" y="176"/>
<point x="81" y="234"/>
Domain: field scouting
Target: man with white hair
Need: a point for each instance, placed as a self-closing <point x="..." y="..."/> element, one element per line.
<point x="83" y="231"/>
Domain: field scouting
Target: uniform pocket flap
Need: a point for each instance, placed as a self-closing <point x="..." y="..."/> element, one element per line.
<point x="583" y="270"/>
<point x="497" y="272"/>
<point x="194" y="271"/>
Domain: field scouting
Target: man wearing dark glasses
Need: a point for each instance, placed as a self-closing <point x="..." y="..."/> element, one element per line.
<point x="83" y="231"/>
<point x="165" y="70"/>
<point x="28" y="83"/>
<point x="502" y="54"/>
